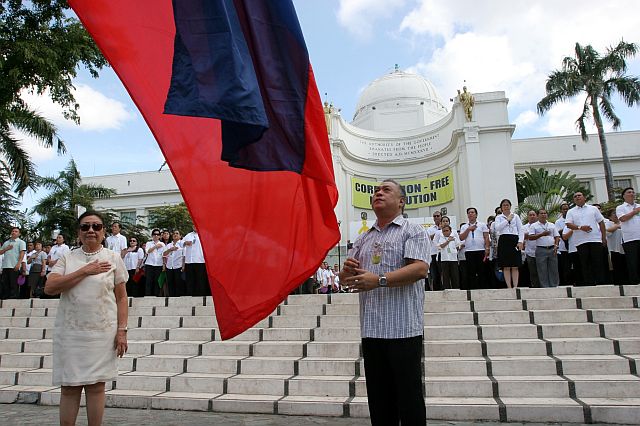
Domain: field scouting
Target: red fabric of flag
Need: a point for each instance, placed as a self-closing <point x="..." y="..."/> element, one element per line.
<point x="263" y="233"/>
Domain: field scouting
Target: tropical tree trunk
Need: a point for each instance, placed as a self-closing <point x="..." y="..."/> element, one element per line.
<point x="608" y="175"/>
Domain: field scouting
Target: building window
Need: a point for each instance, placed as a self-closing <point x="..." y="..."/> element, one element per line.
<point x="586" y="184"/>
<point x="622" y="183"/>
<point x="128" y="217"/>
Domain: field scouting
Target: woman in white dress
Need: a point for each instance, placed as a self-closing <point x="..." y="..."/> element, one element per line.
<point x="91" y="322"/>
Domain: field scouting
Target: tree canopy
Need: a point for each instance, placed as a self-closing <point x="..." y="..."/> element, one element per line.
<point x="598" y="77"/>
<point x="57" y="210"/>
<point x="171" y="218"/>
<point x="41" y="49"/>
<point x="538" y="189"/>
<point x="8" y="208"/>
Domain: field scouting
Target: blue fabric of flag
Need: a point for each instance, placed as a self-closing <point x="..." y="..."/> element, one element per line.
<point x="251" y="71"/>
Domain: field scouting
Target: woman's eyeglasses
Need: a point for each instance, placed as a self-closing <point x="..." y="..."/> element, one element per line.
<point x="84" y="227"/>
<point x="132" y="241"/>
<point x="155" y="233"/>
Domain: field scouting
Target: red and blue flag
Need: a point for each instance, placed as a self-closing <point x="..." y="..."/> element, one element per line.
<point x="228" y="91"/>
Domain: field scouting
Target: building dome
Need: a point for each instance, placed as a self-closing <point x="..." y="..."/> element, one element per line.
<point x="398" y="101"/>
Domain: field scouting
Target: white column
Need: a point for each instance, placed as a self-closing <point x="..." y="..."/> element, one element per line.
<point x="475" y="177"/>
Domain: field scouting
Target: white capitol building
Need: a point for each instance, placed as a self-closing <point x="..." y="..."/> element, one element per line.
<point x="402" y="129"/>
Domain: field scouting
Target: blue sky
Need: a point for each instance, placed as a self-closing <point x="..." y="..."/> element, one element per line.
<point x="494" y="45"/>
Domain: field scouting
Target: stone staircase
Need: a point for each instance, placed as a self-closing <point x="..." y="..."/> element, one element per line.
<point x="568" y="354"/>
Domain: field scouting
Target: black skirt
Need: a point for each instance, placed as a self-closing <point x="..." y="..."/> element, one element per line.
<point x="508" y="253"/>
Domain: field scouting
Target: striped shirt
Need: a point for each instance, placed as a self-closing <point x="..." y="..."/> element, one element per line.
<point x="392" y="312"/>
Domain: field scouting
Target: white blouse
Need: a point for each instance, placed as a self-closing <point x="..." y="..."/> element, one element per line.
<point x="513" y="227"/>
<point x="132" y="258"/>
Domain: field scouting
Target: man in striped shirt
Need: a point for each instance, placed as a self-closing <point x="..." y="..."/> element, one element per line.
<point x="387" y="266"/>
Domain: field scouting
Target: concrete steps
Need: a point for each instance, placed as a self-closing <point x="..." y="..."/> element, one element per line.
<point x="539" y="355"/>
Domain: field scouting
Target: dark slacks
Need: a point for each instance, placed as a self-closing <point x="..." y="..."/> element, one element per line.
<point x="450" y="277"/>
<point x="462" y="269"/>
<point x="532" y="267"/>
<point x="564" y="268"/>
<point x="435" y="281"/>
<point x="632" y="256"/>
<point x="475" y="269"/>
<point x="175" y="284"/>
<point x="393" y="371"/>
<point x="620" y="274"/>
<point x="24" y="291"/>
<point x="132" y="286"/>
<point x="9" y="284"/>
<point x="576" y="269"/>
<point x="197" y="280"/>
<point x="592" y="263"/>
<point x="151" y="274"/>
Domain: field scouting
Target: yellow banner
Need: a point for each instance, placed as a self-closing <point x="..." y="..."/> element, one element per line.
<point x="431" y="191"/>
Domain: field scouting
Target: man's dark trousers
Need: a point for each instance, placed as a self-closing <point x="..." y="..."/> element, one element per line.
<point x="393" y="369"/>
<point x="9" y="283"/>
<point x="475" y="269"/>
<point x="592" y="263"/>
<point x="632" y="255"/>
<point x="434" y="273"/>
<point x="197" y="280"/>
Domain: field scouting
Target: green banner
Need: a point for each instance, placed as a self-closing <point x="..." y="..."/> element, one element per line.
<point x="431" y="191"/>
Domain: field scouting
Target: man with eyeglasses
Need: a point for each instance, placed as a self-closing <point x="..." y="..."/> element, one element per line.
<point x="386" y="267"/>
<point x="589" y="237"/>
<point x="116" y="241"/>
<point x="434" y="270"/>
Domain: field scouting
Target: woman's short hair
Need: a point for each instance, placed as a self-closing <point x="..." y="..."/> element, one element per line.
<point x="445" y="227"/>
<point x="506" y="200"/>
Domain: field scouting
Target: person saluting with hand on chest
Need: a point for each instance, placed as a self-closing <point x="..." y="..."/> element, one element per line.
<point x="387" y="266"/>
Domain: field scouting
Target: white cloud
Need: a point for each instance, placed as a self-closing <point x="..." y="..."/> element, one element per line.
<point x="526" y="119"/>
<point x="37" y="152"/>
<point x="360" y="16"/>
<point x="97" y="111"/>
<point x="561" y="119"/>
<point x="512" y="46"/>
<point x="484" y="62"/>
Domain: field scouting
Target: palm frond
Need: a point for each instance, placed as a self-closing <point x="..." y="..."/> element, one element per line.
<point x="608" y="111"/>
<point x="586" y="114"/>
<point x="628" y="87"/>
<point x="539" y="189"/>
<point x="615" y="57"/>
<point x="35" y="125"/>
<point x="23" y="170"/>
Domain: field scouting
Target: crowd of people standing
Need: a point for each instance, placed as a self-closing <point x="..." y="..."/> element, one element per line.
<point x="583" y="247"/>
<point x="167" y="265"/>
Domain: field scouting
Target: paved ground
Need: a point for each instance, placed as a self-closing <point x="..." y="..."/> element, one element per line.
<point x="37" y="415"/>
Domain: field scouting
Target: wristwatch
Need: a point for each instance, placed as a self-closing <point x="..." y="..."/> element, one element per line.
<point x="382" y="281"/>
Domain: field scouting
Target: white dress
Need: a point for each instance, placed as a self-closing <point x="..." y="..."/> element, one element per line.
<point x="86" y="322"/>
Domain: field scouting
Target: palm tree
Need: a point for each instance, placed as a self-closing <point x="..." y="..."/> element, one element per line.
<point x="8" y="208"/>
<point x="14" y="160"/>
<point x="538" y="189"/>
<point x="57" y="210"/>
<point x="598" y="77"/>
